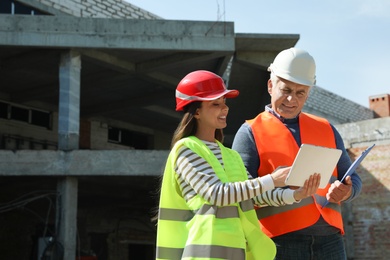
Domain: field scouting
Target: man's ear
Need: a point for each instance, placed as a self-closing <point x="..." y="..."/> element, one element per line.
<point x="269" y="85"/>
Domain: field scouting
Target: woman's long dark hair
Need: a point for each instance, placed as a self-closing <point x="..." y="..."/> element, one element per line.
<point x="187" y="127"/>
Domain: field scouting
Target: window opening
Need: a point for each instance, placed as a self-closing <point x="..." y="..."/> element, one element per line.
<point x="27" y="115"/>
<point x="14" y="7"/>
<point x="133" y="139"/>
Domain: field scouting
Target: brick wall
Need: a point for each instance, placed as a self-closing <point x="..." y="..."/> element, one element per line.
<point x="371" y="210"/>
<point x="369" y="214"/>
<point x="380" y="104"/>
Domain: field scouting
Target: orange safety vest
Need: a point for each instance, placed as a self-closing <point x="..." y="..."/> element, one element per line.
<point x="277" y="147"/>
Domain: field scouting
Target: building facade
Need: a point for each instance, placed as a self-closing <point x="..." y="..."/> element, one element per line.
<point x="87" y="114"/>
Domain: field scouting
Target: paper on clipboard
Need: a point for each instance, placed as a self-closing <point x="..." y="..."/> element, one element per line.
<point x="313" y="159"/>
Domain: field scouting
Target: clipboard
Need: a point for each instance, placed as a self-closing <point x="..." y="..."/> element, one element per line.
<point x="353" y="167"/>
<point x="356" y="163"/>
<point x="312" y="159"/>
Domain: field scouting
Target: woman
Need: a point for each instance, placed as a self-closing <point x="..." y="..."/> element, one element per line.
<point x="205" y="210"/>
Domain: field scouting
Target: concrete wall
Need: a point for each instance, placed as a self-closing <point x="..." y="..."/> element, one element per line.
<point x="365" y="132"/>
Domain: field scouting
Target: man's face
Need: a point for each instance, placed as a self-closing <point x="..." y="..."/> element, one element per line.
<point x="287" y="98"/>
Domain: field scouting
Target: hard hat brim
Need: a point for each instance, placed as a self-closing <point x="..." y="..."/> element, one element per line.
<point x="227" y="93"/>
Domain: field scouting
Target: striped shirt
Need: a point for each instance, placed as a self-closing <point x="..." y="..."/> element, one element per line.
<point x="196" y="176"/>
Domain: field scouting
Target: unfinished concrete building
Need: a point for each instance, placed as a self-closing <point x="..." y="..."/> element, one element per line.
<point x="87" y="114"/>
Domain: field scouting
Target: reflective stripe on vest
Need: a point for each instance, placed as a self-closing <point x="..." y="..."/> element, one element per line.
<point x="218" y="212"/>
<point x="200" y="252"/>
<point x="273" y="137"/>
<point x="203" y="250"/>
<point x="198" y="230"/>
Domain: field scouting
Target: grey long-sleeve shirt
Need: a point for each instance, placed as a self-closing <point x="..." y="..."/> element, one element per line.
<point x="244" y="143"/>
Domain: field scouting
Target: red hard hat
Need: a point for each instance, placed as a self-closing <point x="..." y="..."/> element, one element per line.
<point x="201" y="85"/>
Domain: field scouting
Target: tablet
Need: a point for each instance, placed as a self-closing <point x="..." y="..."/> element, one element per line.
<point x="313" y="159"/>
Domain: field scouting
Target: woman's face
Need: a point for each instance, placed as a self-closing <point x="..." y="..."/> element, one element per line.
<point x="287" y="98"/>
<point x="212" y="115"/>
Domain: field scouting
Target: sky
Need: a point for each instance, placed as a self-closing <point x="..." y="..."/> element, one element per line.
<point x="349" y="39"/>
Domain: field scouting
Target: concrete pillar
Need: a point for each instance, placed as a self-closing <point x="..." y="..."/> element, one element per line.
<point x="68" y="139"/>
<point x="69" y="106"/>
<point x="67" y="215"/>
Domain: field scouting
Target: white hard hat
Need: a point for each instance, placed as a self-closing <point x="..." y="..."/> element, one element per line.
<point x="295" y="65"/>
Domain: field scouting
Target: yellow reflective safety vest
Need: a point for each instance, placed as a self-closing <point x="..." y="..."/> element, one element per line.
<point x="199" y="230"/>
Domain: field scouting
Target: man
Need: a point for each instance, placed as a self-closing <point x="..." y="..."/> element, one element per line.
<point x="304" y="229"/>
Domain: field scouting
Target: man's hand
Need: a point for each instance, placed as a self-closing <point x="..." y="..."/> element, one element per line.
<point x="309" y="188"/>
<point x="339" y="192"/>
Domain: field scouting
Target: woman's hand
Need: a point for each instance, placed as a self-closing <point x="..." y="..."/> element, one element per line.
<point x="279" y="176"/>
<point x="309" y="188"/>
